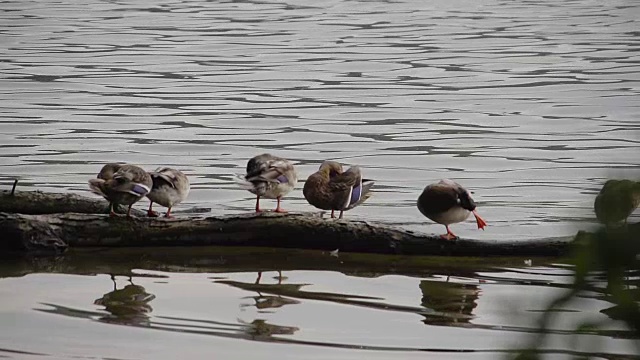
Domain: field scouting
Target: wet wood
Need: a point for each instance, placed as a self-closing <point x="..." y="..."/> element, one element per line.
<point x="38" y="202"/>
<point x="217" y="259"/>
<point x="32" y="236"/>
<point x="266" y="230"/>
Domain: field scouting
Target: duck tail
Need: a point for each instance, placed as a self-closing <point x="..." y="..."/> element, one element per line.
<point x="97" y="186"/>
<point x="358" y="196"/>
<point x="243" y="183"/>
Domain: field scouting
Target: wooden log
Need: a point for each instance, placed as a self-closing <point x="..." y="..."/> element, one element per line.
<point x="38" y="202"/>
<point x="20" y="235"/>
<point x="270" y="230"/>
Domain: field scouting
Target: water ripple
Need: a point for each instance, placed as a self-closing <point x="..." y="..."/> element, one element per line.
<point x="492" y="93"/>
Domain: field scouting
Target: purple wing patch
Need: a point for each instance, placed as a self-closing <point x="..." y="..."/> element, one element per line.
<point x="356" y="194"/>
<point x="139" y="190"/>
<point x="282" y="179"/>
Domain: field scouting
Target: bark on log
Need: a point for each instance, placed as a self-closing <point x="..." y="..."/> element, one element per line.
<point x="30" y="236"/>
<point x="270" y="230"/>
<point x="38" y="202"/>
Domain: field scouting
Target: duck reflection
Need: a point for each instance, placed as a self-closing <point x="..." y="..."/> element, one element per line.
<point x="127" y="306"/>
<point x="279" y="277"/>
<point x="452" y="302"/>
<point x="263" y="302"/>
<point x="259" y="329"/>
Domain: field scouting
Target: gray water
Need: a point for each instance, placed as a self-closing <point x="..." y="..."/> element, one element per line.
<point x="200" y="303"/>
<point x="531" y="105"/>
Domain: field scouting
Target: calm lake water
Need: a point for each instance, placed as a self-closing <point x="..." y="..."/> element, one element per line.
<point x="532" y="105"/>
<point x="233" y="303"/>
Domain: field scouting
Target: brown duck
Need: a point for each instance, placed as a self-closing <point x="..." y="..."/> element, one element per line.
<point x="121" y="184"/>
<point x="446" y="202"/>
<point x="170" y="187"/>
<point x="331" y="188"/>
<point x="269" y="177"/>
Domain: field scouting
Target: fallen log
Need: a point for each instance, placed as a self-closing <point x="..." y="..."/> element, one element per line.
<point x="38" y="202"/>
<point x="38" y="222"/>
<point x="263" y="230"/>
<point x="31" y="236"/>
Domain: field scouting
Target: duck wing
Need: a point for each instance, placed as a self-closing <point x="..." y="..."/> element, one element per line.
<point x="268" y="170"/>
<point x="438" y="198"/>
<point x="164" y="177"/>
<point x="131" y="179"/>
<point x="342" y="187"/>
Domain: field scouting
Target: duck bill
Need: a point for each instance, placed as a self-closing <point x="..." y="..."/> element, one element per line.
<point x="479" y="220"/>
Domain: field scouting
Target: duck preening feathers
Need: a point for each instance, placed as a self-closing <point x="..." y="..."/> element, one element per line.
<point x="446" y="202"/>
<point x="121" y="184"/>
<point x="170" y="187"/>
<point x="331" y="188"/>
<point x="269" y="177"/>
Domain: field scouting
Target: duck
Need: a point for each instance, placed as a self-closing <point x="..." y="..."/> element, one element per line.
<point x="121" y="184"/>
<point x="616" y="201"/>
<point x="447" y="202"/>
<point x="170" y="187"/>
<point x="331" y="188"/>
<point x="269" y="177"/>
<point x="106" y="173"/>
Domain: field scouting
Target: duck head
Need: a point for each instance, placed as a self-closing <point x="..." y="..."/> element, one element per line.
<point x="331" y="168"/>
<point x="465" y="200"/>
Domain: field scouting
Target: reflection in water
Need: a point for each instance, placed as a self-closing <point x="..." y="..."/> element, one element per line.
<point x="532" y="102"/>
<point x="279" y="277"/>
<point x="270" y="302"/>
<point x="127" y="306"/>
<point x="261" y="330"/>
<point x="453" y="302"/>
<point x="258" y="329"/>
<point x="294" y="291"/>
<point x="130" y="306"/>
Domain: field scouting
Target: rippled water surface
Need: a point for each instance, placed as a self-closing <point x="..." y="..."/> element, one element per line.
<point x="530" y="104"/>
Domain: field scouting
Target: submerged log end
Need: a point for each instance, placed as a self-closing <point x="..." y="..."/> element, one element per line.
<point x="30" y="236"/>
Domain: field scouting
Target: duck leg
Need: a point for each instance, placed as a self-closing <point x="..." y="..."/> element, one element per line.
<point x="113" y="278"/>
<point x="341" y="212"/>
<point x="333" y="214"/>
<point x="449" y="235"/>
<point x="129" y="211"/>
<point x="258" y="204"/>
<point x="168" y="214"/>
<point x="150" y="212"/>
<point x="278" y="208"/>
<point x="111" y="212"/>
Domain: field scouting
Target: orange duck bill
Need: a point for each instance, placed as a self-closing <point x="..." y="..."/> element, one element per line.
<point x="479" y="220"/>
